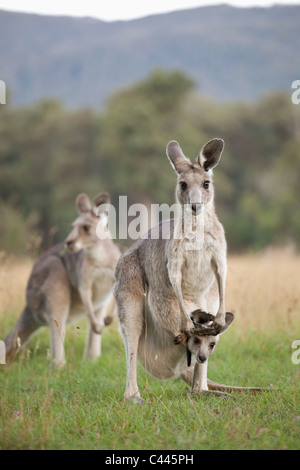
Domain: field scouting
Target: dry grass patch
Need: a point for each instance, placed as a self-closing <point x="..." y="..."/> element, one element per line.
<point x="263" y="290"/>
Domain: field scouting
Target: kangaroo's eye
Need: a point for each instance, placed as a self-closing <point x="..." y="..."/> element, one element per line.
<point x="212" y="345"/>
<point x="196" y="341"/>
<point x="206" y="184"/>
<point x="183" y="185"/>
<point x="86" y="228"/>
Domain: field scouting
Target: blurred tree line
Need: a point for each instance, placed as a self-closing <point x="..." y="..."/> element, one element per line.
<point x="48" y="154"/>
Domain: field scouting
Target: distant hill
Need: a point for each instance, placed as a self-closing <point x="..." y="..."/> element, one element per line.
<point x="232" y="53"/>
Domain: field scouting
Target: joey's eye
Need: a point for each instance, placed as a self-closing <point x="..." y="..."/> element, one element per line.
<point x="212" y="345"/>
<point x="183" y="185"/>
<point x="196" y="341"/>
<point x="206" y="184"/>
<point x="86" y="228"/>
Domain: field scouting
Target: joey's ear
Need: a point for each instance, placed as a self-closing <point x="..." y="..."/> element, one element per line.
<point x="210" y="154"/>
<point x="228" y="320"/>
<point x="199" y="316"/>
<point x="177" y="159"/>
<point x="83" y="203"/>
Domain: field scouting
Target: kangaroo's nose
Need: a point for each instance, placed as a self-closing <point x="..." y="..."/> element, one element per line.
<point x="69" y="243"/>
<point x="202" y="358"/>
<point x="196" y="207"/>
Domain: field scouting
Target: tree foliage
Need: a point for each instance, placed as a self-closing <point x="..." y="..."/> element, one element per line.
<point x="48" y="154"/>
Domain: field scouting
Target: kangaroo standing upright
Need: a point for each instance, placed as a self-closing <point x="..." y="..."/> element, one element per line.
<point x="67" y="284"/>
<point x="161" y="281"/>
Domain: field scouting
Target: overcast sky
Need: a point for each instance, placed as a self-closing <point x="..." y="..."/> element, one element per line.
<point x="120" y="9"/>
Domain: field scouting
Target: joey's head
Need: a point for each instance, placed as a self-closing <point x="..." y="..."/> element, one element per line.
<point x="201" y="345"/>
<point x="194" y="183"/>
<point x="92" y="216"/>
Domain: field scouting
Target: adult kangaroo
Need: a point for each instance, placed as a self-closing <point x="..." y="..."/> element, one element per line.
<point x="161" y="280"/>
<point x="71" y="279"/>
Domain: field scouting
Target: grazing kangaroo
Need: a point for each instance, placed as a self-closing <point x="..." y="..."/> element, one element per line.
<point x="69" y="280"/>
<point x="160" y="282"/>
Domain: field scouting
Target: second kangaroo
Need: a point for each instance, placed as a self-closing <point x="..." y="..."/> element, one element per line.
<point x="66" y="284"/>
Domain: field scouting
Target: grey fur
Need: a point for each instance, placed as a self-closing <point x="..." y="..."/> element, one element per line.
<point x="177" y="280"/>
<point x="65" y="284"/>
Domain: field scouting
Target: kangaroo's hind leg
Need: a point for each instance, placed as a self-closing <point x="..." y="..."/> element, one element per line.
<point x="192" y="376"/>
<point x="129" y="294"/>
<point x="131" y="323"/>
<point x="57" y="295"/>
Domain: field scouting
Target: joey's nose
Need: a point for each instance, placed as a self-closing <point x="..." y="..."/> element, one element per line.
<point x="202" y="358"/>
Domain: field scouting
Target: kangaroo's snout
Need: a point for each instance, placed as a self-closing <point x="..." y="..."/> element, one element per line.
<point x="196" y="208"/>
<point x="201" y="358"/>
<point x="73" y="244"/>
<point x="70" y="244"/>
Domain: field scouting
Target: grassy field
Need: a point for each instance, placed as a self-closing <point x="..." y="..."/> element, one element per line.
<point x="82" y="406"/>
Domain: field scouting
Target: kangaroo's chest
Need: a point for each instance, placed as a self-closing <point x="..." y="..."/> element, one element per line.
<point x="197" y="272"/>
<point x="99" y="279"/>
<point x="192" y="261"/>
<point x="102" y="286"/>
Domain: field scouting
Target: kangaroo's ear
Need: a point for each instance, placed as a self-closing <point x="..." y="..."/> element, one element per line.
<point x="228" y="320"/>
<point x="83" y="203"/>
<point x="101" y="198"/>
<point x="210" y="154"/>
<point x="177" y="159"/>
<point x="101" y="204"/>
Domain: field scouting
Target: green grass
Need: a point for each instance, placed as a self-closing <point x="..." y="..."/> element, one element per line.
<point x="82" y="406"/>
